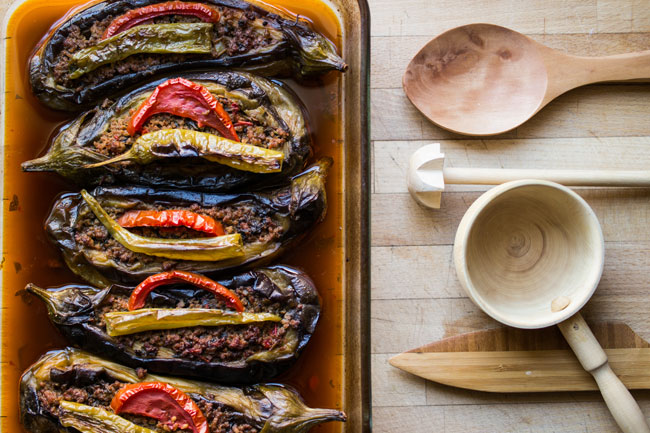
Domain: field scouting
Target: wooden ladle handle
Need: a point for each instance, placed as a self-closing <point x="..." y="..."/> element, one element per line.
<point x="620" y="402"/>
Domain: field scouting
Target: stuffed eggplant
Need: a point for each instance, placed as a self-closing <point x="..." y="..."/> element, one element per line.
<point x="242" y="330"/>
<point x="211" y="131"/>
<point x="72" y="391"/>
<point x="125" y="234"/>
<point x="109" y="46"/>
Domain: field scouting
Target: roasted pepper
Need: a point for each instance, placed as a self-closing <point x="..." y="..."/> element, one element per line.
<point x="96" y="248"/>
<point x="246" y="35"/>
<point x="281" y="312"/>
<point x="141" y="15"/>
<point x="161" y="401"/>
<point x="172" y="218"/>
<point x="256" y="408"/>
<point x="186" y="38"/>
<point x="186" y="99"/>
<point x="177" y="143"/>
<point x="174" y="151"/>
<point x="139" y="295"/>
<point x="92" y="419"/>
<point x="199" y="249"/>
<point x="156" y="319"/>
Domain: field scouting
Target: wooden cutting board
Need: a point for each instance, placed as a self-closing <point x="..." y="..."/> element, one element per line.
<point x="515" y="360"/>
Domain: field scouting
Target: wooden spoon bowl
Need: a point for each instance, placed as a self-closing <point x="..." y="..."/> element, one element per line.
<point x="525" y="244"/>
<point x="483" y="79"/>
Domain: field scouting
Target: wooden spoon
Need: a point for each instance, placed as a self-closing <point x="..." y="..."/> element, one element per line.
<point x="482" y="79"/>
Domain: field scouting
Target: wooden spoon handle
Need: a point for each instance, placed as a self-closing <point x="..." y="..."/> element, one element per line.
<point x="622" y="67"/>
<point x="567" y="72"/>
<point x="620" y="402"/>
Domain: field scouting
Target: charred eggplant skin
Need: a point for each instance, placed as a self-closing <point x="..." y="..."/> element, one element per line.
<point x="71" y="149"/>
<point x="272" y="408"/>
<point x="72" y="310"/>
<point x="302" y="203"/>
<point x="302" y="52"/>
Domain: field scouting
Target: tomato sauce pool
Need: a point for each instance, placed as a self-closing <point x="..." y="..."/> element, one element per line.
<point x="29" y="257"/>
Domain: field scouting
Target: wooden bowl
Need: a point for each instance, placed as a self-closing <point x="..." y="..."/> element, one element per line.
<point x="529" y="253"/>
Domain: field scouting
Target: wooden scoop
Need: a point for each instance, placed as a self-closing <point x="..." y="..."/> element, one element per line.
<point x="530" y="254"/>
<point x="482" y="79"/>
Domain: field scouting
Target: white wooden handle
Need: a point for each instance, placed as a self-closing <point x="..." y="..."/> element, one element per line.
<point x="427" y="176"/>
<point x="620" y="402"/>
<point x="497" y="176"/>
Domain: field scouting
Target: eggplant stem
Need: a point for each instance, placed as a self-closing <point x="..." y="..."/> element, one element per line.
<point x="119" y="158"/>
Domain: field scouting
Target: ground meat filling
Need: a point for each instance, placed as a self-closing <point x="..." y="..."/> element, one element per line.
<point x="254" y="223"/>
<point x="98" y="388"/>
<point x="234" y="35"/>
<point x="207" y="344"/>
<point x="251" y="130"/>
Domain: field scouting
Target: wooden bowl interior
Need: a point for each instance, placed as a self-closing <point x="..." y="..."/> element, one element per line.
<point x="529" y="246"/>
<point x="479" y="79"/>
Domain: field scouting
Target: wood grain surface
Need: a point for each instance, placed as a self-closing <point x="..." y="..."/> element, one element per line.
<point x="416" y="298"/>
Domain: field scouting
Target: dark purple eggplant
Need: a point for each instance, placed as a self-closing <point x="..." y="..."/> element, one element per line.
<point x="75" y="67"/>
<point x="258" y="226"/>
<point x="69" y="387"/>
<point x="282" y="305"/>
<point x="100" y="135"/>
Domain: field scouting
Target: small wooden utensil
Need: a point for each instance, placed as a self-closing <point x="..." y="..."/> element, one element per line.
<point x="427" y="176"/>
<point x="483" y="79"/>
<point x="509" y="359"/>
<point x="530" y="254"/>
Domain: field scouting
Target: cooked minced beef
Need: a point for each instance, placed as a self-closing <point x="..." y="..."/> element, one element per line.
<point x="67" y="385"/>
<point x="253" y="223"/>
<point x="206" y="344"/>
<point x="116" y="140"/>
<point x="231" y="36"/>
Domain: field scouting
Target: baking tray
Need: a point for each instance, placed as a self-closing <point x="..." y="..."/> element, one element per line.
<point x="334" y="370"/>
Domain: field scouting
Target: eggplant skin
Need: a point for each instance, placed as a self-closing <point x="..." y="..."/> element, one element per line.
<point x="302" y="203"/>
<point x="302" y="53"/>
<point x="272" y="408"/>
<point x="72" y="148"/>
<point x="72" y="310"/>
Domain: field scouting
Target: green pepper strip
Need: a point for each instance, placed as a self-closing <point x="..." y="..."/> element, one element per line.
<point x="156" y="319"/>
<point x="201" y="249"/>
<point x="155" y="145"/>
<point x="91" y="419"/>
<point x="179" y="38"/>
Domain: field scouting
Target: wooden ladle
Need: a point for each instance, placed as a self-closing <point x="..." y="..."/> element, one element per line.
<point x="483" y="79"/>
<point x="530" y="253"/>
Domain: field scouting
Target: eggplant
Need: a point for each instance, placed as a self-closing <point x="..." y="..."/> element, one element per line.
<point x="100" y="136"/>
<point x="74" y="388"/>
<point x="282" y="303"/>
<point x="265" y="222"/>
<point x="79" y="62"/>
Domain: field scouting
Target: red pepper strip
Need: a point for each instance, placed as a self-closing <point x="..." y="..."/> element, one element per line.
<point x="163" y="402"/>
<point x="138" y="16"/>
<point x="140" y="293"/>
<point x="172" y="218"/>
<point x="187" y="99"/>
